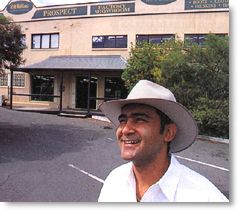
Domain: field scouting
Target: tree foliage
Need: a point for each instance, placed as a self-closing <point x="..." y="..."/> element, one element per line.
<point x="11" y="45"/>
<point x="199" y="78"/>
<point x="143" y="63"/>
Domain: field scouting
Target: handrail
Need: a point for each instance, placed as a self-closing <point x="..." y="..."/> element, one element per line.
<point x="41" y="95"/>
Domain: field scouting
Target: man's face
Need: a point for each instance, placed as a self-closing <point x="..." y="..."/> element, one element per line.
<point x="139" y="135"/>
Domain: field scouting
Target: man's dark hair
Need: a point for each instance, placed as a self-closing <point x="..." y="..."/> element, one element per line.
<point x="164" y="120"/>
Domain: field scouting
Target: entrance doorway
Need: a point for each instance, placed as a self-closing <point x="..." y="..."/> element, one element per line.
<point x="82" y="92"/>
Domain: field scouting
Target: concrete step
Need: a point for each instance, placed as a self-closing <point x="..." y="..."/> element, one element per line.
<point x="73" y="115"/>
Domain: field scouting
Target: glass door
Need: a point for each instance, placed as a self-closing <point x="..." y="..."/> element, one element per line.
<point x="82" y="93"/>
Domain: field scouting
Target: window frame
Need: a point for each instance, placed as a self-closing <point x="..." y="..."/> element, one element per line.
<point x="19" y="80"/>
<point x="110" y="90"/>
<point x="48" y="45"/>
<point x="23" y="39"/>
<point x="198" y="42"/>
<point x="191" y="39"/>
<point x="39" y="83"/>
<point x="148" y="37"/>
<point x="4" y="80"/>
<point x="106" y="44"/>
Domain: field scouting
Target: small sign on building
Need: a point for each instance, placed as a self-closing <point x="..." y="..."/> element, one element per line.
<point x="19" y="7"/>
<point x="205" y="4"/>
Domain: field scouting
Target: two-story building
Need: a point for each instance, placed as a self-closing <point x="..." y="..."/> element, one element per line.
<point x="76" y="52"/>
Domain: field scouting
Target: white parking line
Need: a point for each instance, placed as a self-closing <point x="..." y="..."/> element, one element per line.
<point x="206" y="164"/>
<point x="195" y="161"/>
<point x="110" y="139"/>
<point x="188" y="159"/>
<point x="84" y="172"/>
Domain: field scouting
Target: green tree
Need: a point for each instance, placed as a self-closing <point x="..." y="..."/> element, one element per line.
<point x="143" y="63"/>
<point x="197" y="75"/>
<point x="11" y="45"/>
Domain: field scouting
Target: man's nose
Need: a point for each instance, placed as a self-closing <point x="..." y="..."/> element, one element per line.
<point x="128" y="128"/>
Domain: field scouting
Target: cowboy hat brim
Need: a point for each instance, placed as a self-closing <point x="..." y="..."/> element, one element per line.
<point x="186" y="126"/>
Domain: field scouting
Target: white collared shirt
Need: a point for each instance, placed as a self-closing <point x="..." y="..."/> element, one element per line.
<point x="178" y="184"/>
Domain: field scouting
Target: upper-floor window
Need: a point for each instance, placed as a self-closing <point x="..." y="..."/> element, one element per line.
<point x="197" y="38"/>
<point x="110" y="41"/>
<point x="23" y="40"/>
<point x="154" y="38"/>
<point x="45" y="41"/>
<point x="194" y="39"/>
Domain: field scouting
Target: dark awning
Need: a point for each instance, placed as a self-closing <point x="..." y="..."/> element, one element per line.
<point x="96" y="62"/>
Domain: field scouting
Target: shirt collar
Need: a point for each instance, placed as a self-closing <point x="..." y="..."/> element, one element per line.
<point x="168" y="183"/>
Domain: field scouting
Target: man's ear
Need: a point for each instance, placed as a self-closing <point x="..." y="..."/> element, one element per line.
<point x="170" y="132"/>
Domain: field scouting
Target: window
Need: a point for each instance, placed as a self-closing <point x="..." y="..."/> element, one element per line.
<point x="3" y="80"/>
<point x="197" y="38"/>
<point x="115" y="88"/>
<point x="23" y="40"/>
<point x="19" y="80"/>
<point x="154" y="38"/>
<point x="54" y="40"/>
<point x="36" y="42"/>
<point x="111" y="41"/>
<point x="42" y="84"/>
<point x="45" y="41"/>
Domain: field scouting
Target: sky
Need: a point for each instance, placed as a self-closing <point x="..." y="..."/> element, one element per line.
<point x="39" y="3"/>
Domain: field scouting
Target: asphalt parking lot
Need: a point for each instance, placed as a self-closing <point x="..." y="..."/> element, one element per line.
<point x="47" y="158"/>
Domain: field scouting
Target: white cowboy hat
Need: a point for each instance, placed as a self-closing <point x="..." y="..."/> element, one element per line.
<point x="149" y="93"/>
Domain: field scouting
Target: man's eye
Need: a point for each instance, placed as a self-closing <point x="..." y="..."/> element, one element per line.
<point x="122" y="120"/>
<point x="140" y="119"/>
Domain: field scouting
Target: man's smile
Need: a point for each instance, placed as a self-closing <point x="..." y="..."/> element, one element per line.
<point x="127" y="141"/>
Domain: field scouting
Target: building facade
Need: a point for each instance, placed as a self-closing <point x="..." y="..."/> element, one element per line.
<point x="76" y="52"/>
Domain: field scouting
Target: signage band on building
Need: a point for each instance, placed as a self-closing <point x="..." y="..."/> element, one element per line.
<point x="69" y="11"/>
<point x="157" y="2"/>
<point x="205" y="4"/>
<point x="112" y="8"/>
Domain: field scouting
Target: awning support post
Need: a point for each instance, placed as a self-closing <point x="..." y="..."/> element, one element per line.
<point x="89" y="88"/>
<point x="61" y="92"/>
<point x="11" y="88"/>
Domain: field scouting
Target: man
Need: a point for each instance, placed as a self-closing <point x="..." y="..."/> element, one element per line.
<point x="151" y="126"/>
